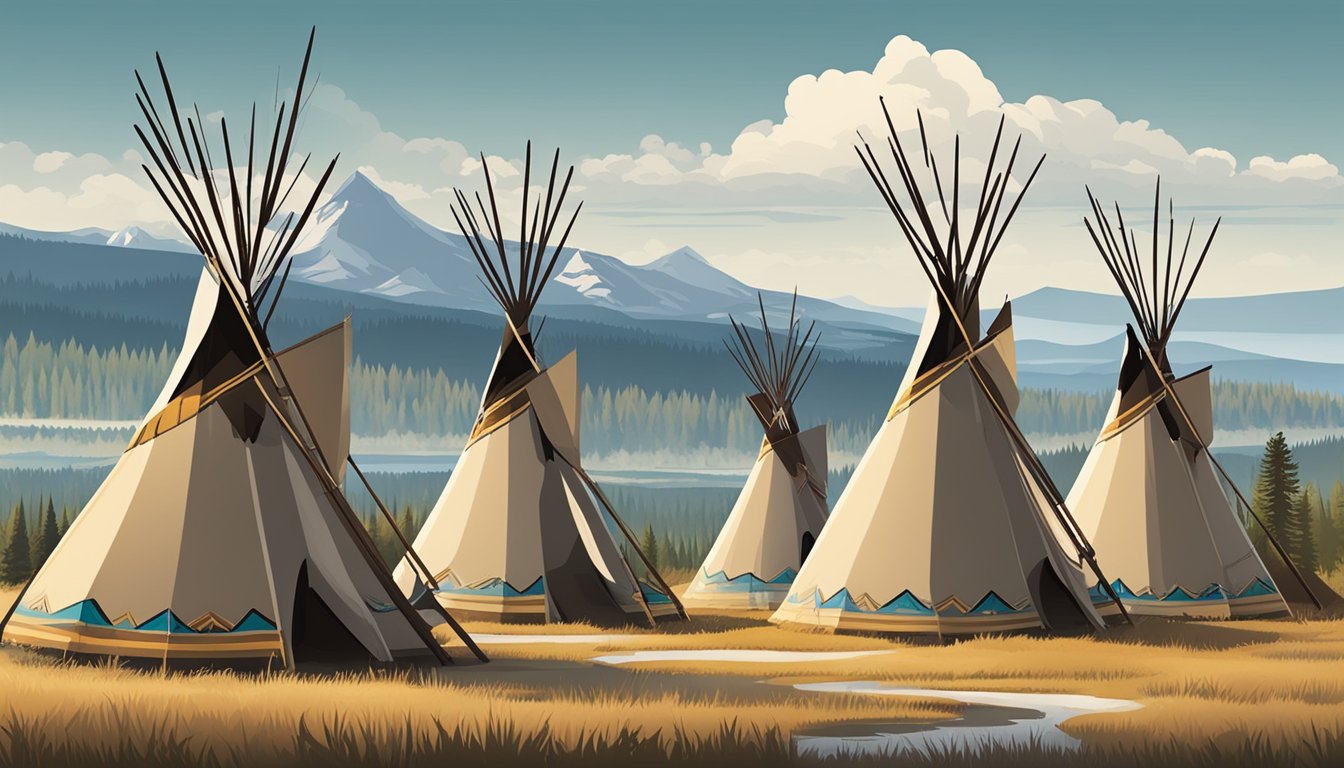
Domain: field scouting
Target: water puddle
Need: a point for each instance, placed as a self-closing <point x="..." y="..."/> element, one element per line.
<point x="742" y="656"/>
<point x="991" y="718"/>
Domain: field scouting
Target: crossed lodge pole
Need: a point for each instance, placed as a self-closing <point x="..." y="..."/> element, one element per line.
<point x="611" y="510"/>
<point x="1269" y="534"/>
<point x="313" y="453"/>
<point x="1039" y="474"/>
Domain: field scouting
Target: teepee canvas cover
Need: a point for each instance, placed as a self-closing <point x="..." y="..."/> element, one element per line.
<point x="221" y="534"/>
<point x="949" y="524"/>
<point x="519" y="533"/>
<point x="1149" y="496"/>
<point x="782" y="508"/>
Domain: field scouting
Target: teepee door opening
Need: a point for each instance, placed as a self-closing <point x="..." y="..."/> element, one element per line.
<point x="317" y="635"/>
<point x="232" y="484"/>
<point x="1057" y="605"/>
<point x="949" y="510"/>
<point x="520" y="532"/>
<point x="782" y="507"/>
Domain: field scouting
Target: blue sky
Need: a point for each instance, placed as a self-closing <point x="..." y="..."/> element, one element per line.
<point x="726" y="126"/>
<point x="1252" y="78"/>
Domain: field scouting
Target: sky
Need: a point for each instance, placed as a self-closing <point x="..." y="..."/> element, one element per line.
<point x="721" y="125"/>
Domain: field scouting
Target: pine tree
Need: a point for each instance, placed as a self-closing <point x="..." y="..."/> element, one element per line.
<point x="385" y="540"/>
<point x="1276" y="488"/>
<point x="1335" y="518"/>
<point x="649" y="543"/>
<point x="407" y="523"/>
<point x="45" y="538"/>
<point x="668" y="555"/>
<point x="1298" y="538"/>
<point x="15" y="565"/>
<point x="1326" y="530"/>
<point x="65" y="521"/>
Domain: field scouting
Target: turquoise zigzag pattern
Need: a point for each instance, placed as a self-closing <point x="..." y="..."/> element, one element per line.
<point x="906" y="604"/>
<point x="747" y="582"/>
<point x="497" y="587"/>
<point x="1212" y="593"/>
<point x="89" y="612"/>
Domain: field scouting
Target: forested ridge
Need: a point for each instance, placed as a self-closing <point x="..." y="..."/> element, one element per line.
<point x="70" y="380"/>
<point x="73" y="381"/>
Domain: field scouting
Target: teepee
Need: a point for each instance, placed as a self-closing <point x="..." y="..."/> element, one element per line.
<point x="521" y="533"/>
<point x="1149" y="496"/>
<point x="949" y="525"/>
<point x="221" y="535"/>
<point x="782" y="508"/>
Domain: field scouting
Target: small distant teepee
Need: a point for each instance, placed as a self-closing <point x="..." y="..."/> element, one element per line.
<point x="781" y="510"/>
<point x="1149" y="495"/>
<point x="949" y="525"/>
<point x="221" y="535"/>
<point x="521" y="532"/>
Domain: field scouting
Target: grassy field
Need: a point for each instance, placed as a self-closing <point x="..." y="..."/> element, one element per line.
<point x="1213" y="693"/>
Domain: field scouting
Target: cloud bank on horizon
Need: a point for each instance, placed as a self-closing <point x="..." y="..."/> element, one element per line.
<point x="789" y="204"/>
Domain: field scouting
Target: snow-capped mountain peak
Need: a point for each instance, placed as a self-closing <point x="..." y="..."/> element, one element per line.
<point x="123" y="237"/>
<point x="363" y="241"/>
<point x="407" y="283"/>
<point x="134" y="237"/>
<point x="359" y="188"/>
<point x="579" y="275"/>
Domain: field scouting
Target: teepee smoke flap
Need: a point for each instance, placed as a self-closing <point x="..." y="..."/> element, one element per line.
<point x="521" y="531"/>
<point x="1149" y="495"/>
<point x="920" y="540"/>
<point x="773" y="525"/>
<point x="222" y="535"/>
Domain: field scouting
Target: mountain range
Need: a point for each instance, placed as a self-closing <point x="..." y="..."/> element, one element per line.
<point x="363" y="242"/>
<point x="130" y="236"/>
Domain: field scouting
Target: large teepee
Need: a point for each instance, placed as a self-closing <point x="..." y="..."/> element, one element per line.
<point x="949" y="524"/>
<point x="221" y="535"/>
<point x="1149" y="496"/>
<point x="781" y="510"/>
<point x="521" y="533"/>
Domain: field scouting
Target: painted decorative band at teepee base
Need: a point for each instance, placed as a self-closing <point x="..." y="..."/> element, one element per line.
<point x="495" y="598"/>
<point x="906" y="613"/>
<point x="83" y="628"/>
<point x="746" y="591"/>
<point x="782" y="508"/>
<point x="1259" y="598"/>
<point x="1151" y="497"/>
<point x="222" y="533"/>
<point x="949" y="524"/>
<point x="521" y="533"/>
<point x="498" y="600"/>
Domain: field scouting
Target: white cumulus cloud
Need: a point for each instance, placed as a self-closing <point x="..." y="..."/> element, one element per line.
<point x="787" y="191"/>
<point x="1310" y="167"/>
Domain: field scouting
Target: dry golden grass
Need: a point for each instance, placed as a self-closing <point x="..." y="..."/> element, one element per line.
<point x="701" y="630"/>
<point x="569" y="703"/>
<point x="1198" y="681"/>
<point x="219" y="708"/>
<point x="1201" y="683"/>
